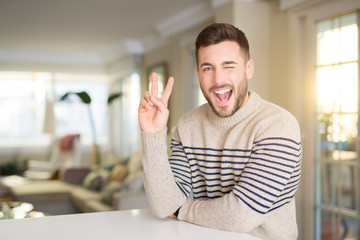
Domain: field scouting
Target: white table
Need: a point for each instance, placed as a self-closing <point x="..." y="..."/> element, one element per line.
<point x="124" y="225"/>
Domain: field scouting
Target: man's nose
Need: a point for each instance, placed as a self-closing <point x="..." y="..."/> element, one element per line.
<point x="218" y="77"/>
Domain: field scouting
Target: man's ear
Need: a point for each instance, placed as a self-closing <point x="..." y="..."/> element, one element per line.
<point x="249" y="69"/>
<point x="197" y="69"/>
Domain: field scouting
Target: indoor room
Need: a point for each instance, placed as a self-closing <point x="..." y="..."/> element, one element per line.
<point x="73" y="73"/>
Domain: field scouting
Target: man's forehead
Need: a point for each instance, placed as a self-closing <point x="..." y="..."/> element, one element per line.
<point x="223" y="53"/>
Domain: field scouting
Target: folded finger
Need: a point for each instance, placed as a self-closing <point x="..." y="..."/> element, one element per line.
<point x="147" y="96"/>
<point x="144" y="104"/>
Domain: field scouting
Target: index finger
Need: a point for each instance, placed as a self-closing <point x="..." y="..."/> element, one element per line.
<point x="154" y="84"/>
<point x="168" y="89"/>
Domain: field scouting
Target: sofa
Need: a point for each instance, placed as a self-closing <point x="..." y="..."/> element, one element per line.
<point x="82" y="190"/>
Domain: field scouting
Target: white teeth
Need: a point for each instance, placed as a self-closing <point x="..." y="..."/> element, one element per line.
<point x="222" y="91"/>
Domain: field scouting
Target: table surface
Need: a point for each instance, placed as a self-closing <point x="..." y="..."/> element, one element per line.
<point x="130" y="224"/>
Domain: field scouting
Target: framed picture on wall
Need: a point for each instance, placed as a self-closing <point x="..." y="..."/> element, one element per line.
<point x="161" y="70"/>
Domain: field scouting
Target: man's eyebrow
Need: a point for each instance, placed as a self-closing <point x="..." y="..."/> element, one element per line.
<point x="205" y="64"/>
<point x="228" y="62"/>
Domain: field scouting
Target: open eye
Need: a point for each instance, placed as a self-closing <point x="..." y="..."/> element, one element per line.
<point x="205" y="69"/>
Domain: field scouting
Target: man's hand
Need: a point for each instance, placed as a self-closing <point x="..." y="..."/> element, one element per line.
<point x="172" y="216"/>
<point x="153" y="111"/>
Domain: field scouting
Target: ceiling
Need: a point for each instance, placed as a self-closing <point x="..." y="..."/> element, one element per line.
<point x="92" y="31"/>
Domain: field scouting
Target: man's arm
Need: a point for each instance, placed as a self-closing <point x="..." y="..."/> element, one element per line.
<point x="159" y="181"/>
<point x="165" y="178"/>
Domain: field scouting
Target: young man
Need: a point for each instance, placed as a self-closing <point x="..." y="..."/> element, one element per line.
<point x="236" y="161"/>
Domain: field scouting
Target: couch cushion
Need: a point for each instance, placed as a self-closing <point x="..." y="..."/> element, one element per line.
<point x="74" y="175"/>
<point x="107" y="194"/>
<point x="44" y="190"/>
<point x="118" y="173"/>
<point x="80" y="196"/>
<point x="92" y="181"/>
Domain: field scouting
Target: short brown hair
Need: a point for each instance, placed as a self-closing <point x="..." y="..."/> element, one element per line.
<point x="219" y="32"/>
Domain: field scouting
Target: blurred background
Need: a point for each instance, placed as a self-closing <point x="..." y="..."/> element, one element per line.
<point x="78" y="68"/>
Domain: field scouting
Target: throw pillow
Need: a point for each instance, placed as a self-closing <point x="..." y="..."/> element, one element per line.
<point x="107" y="194"/>
<point x="118" y="173"/>
<point x="92" y="181"/>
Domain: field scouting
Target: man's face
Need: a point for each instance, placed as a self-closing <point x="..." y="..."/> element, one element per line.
<point x="223" y="73"/>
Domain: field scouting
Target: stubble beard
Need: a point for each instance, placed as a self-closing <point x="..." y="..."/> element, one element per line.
<point x="239" y="101"/>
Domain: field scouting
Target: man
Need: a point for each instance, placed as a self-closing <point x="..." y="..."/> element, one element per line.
<point x="236" y="161"/>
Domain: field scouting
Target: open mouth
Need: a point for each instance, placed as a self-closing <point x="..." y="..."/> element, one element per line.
<point x="222" y="95"/>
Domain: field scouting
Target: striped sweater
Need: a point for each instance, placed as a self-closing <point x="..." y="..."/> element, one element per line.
<point x="238" y="173"/>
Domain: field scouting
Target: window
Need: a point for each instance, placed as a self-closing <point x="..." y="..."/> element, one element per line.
<point x="125" y="123"/>
<point x="337" y="159"/>
<point x="23" y="97"/>
<point x="22" y="104"/>
<point x="72" y="116"/>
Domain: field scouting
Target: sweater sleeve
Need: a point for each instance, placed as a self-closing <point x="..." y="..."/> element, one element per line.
<point x="166" y="180"/>
<point x="269" y="181"/>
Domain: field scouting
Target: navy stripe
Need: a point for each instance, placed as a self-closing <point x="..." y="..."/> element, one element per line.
<point x="212" y="191"/>
<point x="215" y="173"/>
<point x="178" y="151"/>
<point x="270" y="167"/>
<point x="288" y="191"/>
<point x="213" y="185"/>
<point x="208" y="197"/>
<point x="277" y="189"/>
<point x="217" y="156"/>
<point x="217" y="150"/>
<point x="256" y="194"/>
<point x="172" y="160"/>
<point x="185" y="193"/>
<point x="250" y="206"/>
<point x="271" y="173"/>
<point x="278" y="138"/>
<point x="182" y="181"/>
<point x="262" y="176"/>
<point x="210" y="180"/>
<point x="177" y="164"/>
<point x="275" y="150"/>
<point x="284" y="199"/>
<point x="272" y="209"/>
<point x="181" y="170"/>
<point x="254" y="201"/>
<point x="215" y="167"/>
<point x="261" y="189"/>
<point x="276" y="157"/>
<point x="181" y="174"/>
<point x="176" y="155"/>
<point x="271" y="161"/>
<point x="278" y="145"/>
<point x="213" y="161"/>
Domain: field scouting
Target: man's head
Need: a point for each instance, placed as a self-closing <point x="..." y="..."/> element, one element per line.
<point x="219" y="32"/>
<point x="223" y="66"/>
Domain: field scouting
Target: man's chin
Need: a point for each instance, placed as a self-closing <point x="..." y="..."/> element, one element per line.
<point x="223" y="112"/>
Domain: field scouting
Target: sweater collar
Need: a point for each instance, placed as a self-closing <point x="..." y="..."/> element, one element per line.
<point x="250" y="106"/>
